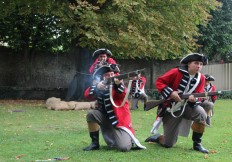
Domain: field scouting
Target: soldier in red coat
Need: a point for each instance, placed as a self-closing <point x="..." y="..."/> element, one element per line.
<point x="137" y="91"/>
<point x="101" y="57"/>
<point x="112" y="113"/>
<point x="185" y="79"/>
<point x="208" y="103"/>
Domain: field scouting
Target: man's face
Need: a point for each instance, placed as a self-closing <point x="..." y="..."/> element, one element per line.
<point x="102" y="57"/>
<point x="108" y="75"/>
<point x="194" y="67"/>
<point x="207" y="83"/>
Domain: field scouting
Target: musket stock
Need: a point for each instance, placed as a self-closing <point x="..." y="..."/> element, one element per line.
<point x="152" y="104"/>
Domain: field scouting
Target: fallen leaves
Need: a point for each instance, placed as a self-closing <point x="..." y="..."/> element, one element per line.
<point x="19" y="156"/>
<point x="213" y="151"/>
<point x="206" y="156"/>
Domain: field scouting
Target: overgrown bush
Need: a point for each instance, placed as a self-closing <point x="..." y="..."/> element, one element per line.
<point x="153" y="94"/>
<point x="225" y="95"/>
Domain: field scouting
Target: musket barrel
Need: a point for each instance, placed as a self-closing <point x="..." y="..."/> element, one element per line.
<point x="152" y="104"/>
<point x="205" y="94"/>
<point x="127" y="75"/>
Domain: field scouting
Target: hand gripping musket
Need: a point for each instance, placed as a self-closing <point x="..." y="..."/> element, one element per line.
<point x="152" y="104"/>
<point x="161" y="111"/>
<point x="120" y="77"/>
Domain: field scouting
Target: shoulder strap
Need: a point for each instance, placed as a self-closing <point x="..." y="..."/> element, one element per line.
<point x="125" y="98"/>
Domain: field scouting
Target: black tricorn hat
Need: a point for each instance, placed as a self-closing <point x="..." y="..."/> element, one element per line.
<point x="209" y="77"/>
<point x="194" y="57"/>
<point x="105" y="69"/>
<point x="101" y="51"/>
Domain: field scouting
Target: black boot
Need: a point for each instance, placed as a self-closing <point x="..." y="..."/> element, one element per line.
<point x="95" y="141"/>
<point x="154" y="138"/>
<point x="197" y="143"/>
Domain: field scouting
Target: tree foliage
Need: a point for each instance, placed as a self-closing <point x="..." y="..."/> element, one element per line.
<point x="152" y="28"/>
<point x="29" y="26"/>
<point x="216" y="39"/>
<point x="34" y="25"/>
<point x="143" y="28"/>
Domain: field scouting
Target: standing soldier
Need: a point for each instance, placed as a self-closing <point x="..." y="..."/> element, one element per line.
<point x="137" y="91"/>
<point x="208" y="103"/>
<point x="185" y="79"/>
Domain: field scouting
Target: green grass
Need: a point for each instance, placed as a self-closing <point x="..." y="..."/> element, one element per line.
<point x="37" y="133"/>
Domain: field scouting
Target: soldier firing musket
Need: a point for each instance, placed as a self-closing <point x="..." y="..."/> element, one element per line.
<point x="114" y="121"/>
<point x="107" y="83"/>
<point x="101" y="57"/>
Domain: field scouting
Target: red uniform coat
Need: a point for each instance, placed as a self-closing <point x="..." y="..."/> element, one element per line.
<point x="122" y="113"/>
<point x="176" y="80"/>
<point x="212" y="89"/>
<point x="141" y="84"/>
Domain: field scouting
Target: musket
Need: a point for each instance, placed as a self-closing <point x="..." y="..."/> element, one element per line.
<point x="110" y="81"/>
<point x="124" y="76"/>
<point x="152" y="104"/>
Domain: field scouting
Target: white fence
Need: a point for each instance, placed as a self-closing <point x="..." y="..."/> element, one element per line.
<point x="222" y="74"/>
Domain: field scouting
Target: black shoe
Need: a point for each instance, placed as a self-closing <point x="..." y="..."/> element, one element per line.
<point x="91" y="147"/>
<point x="154" y="138"/>
<point x="199" y="147"/>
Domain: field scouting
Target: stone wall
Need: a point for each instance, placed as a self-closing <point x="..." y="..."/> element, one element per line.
<point x="52" y="73"/>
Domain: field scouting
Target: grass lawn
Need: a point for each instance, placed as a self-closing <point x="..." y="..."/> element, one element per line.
<point x="31" y="132"/>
